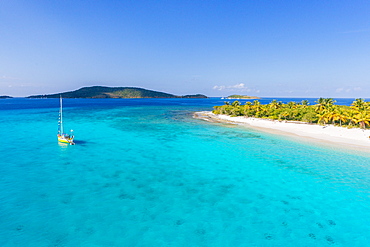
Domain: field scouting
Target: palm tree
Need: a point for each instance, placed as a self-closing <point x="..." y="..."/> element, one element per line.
<point x="363" y="119"/>
<point x="274" y="104"/>
<point x="323" y="104"/>
<point x="328" y="113"/>
<point x="331" y="112"/>
<point x="320" y="106"/>
<point x="340" y="115"/>
<point x="292" y="105"/>
<point x="324" y="118"/>
<point x="257" y="105"/>
<point x="350" y="115"/>
<point x="256" y="102"/>
<point x="247" y="108"/>
<point x="305" y="102"/>
<point x="359" y="104"/>
<point x="284" y="115"/>
<point x="309" y="117"/>
<point x="330" y="101"/>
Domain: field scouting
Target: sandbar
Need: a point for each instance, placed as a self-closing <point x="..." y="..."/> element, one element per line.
<point x="353" y="138"/>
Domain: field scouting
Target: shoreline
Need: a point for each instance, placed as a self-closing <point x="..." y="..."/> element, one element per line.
<point x="348" y="138"/>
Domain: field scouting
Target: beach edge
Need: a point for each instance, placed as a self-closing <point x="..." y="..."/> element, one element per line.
<point x="354" y="138"/>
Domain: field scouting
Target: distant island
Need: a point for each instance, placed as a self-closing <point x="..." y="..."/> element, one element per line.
<point x="100" y="92"/>
<point x="193" y="96"/>
<point x="236" y="96"/>
<point x="5" y="97"/>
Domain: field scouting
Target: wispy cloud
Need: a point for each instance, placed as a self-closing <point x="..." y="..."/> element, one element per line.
<point x="241" y="87"/>
<point x="348" y="90"/>
<point x="195" y="77"/>
<point x="9" y="81"/>
<point x="4" y="77"/>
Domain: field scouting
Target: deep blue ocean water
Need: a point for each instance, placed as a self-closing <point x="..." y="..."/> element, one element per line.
<point x="143" y="172"/>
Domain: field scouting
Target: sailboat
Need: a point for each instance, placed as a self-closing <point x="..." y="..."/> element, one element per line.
<point x="62" y="137"/>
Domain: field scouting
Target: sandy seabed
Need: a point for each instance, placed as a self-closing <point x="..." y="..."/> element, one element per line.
<point x="352" y="138"/>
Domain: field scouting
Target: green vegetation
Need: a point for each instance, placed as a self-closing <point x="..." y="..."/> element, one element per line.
<point x="114" y="92"/>
<point x="195" y="96"/>
<point x="323" y="112"/>
<point x="236" y="96"/>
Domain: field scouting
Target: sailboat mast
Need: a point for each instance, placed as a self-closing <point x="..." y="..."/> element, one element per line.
<point x="61" y="116"/>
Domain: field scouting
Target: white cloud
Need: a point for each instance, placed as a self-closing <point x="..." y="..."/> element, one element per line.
<point x="219" y="88"/>
<point x="241" y="85"/>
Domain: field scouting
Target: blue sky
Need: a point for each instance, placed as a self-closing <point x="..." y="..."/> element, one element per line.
<point x="263" y="48"/>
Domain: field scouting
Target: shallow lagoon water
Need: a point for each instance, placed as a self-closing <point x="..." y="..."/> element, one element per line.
<point x="145" y="173"/>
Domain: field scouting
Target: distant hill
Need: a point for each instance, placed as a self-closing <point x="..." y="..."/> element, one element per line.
<point x="5" y="97"/>
<point x="236" y="96"/>
<point x="99" y="92"/>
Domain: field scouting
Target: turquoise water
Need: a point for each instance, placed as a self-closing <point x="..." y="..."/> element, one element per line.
<point x="145" y="173"/>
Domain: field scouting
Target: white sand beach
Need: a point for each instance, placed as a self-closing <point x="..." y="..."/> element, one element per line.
<point x="352" y="138"/>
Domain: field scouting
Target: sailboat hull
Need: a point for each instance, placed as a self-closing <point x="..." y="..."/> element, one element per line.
<point x="65" y="139"/>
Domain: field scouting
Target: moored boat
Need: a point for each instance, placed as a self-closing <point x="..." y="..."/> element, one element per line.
<point x="63" y="137"/>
